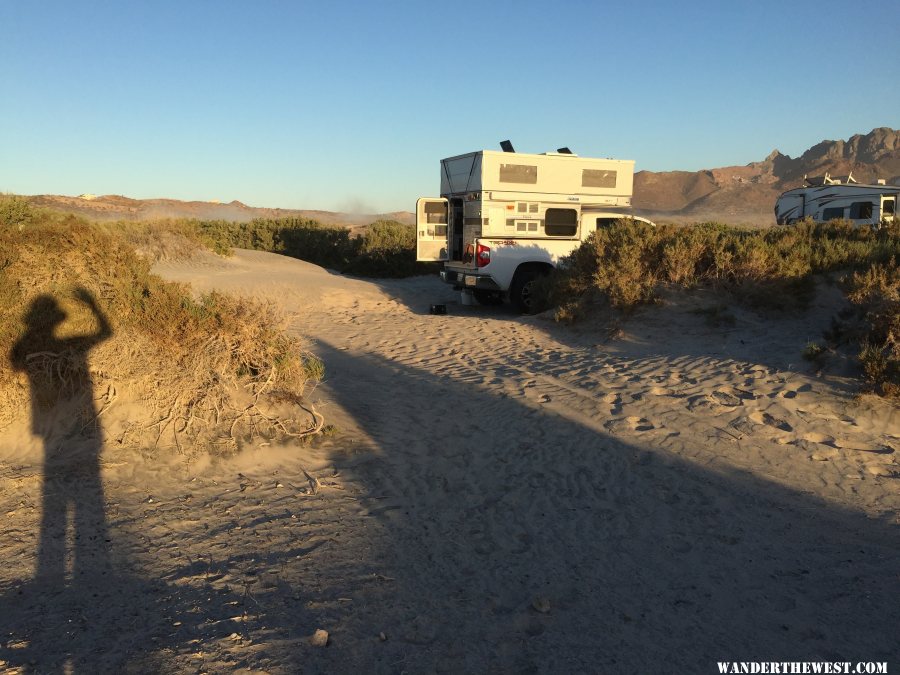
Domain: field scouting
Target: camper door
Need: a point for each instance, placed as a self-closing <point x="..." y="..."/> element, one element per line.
<point x="888" y="209"/>
<point x="431" y="229"/>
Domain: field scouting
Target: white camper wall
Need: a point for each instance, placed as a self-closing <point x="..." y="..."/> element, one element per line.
<point x="557" y="174"/>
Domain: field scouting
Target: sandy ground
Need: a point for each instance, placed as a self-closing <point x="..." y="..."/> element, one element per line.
<point x="499" y="494"/>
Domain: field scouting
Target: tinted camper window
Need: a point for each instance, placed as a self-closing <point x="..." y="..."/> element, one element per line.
<point x="861" y="210"/>
<point x="832" y="214"/>
<point x="518" y="173"/>
<point x="436" y="212"/>
<point x="561" y="222"/>
<point x="601" y="178"/>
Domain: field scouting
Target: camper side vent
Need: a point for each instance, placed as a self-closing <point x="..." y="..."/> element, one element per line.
<point x="527" y="225"/>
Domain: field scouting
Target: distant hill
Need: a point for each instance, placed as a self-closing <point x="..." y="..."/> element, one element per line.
<point x="747" y="194"/>
<point x="115" y="207"/>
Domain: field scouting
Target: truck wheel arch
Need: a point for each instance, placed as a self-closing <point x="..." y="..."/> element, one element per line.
<point x="524" y="276"/>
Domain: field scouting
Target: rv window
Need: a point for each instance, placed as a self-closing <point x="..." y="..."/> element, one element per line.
<point x="832" y="214"/>
<point x="601" y="178"/>
<point x="605" y="222"/>
<point x="887" y="209"/>
<point x="861" y="210"/>
<point x="561" y="222"/>
<point x="435" y="212"/>
<point x="518" y="173"/>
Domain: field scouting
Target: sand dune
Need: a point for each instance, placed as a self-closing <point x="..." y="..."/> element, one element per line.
<point x="499" y="494"/>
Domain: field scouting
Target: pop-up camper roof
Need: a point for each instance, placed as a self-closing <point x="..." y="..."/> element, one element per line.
<point x="551" y="173"/>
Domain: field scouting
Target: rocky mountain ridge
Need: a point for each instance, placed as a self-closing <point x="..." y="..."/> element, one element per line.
<point x="747" y="194"/>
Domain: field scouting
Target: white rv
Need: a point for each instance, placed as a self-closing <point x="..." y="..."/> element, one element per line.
<point x="824" y="198"/>
<point x="505" y="218"/>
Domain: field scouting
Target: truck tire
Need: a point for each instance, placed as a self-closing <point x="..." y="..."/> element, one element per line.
<point x="521" y="291"/>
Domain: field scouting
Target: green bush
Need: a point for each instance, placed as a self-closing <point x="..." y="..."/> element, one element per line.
<point x="876" y="294"/>
<point x="625" y="265"/>
<point x="15" y="211"/>
<point x="388" y="235"/>
<point x="628" y="261"/>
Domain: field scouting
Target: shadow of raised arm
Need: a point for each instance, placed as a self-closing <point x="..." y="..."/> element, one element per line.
<point x="105" y="330"/>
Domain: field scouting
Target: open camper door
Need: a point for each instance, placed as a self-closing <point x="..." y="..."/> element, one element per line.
<point x="431" y="229"/>
<point x="888" y="208"/>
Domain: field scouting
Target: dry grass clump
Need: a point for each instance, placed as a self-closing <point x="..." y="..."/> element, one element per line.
<point x="208" y="371"/>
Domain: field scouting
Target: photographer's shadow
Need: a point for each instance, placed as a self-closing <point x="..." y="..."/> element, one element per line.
<point x="52" y="620"/>
<point x="65" y="417"/>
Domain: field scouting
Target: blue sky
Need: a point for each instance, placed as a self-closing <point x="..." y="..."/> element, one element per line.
<point x="349" y="106"/>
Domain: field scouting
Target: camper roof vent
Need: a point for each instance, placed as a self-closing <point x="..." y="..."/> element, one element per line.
<point x="821" y="180"/>
<point x="506" y="146"/>
<point x="881" y="181"/>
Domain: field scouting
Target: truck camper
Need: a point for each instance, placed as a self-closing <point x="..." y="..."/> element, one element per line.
<point x="824" y="198"/>
<point x="505" y="218"/>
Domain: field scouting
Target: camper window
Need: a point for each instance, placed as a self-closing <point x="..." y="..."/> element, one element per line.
<point x="436" y="212"/>
<point x="861" y="210"/>
<point x="561" y="222"/>
<point x="887" y="208"/>
<point x="600" y="178"/>
<point x="518" y="173"/>
<point x="832" y="214"/>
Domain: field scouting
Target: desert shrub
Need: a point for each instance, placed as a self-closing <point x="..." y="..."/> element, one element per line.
<point x="308" y="240"/>
<point x="686" y="255"/>
<point x="385" y="249"/>
<point x="876" y="294"/>
<point x="199" y="364"/>
<point x="388" y="235"/>
<point x="164" y="239"/>
<point x="224" y="235"/>
<point x="627" y="261"/>
<point x="624" y="265"/>
<point x="814" y="352"/>
<point x="15" y="211"/>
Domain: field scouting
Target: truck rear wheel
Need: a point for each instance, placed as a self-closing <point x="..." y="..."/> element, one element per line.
<point x="521" y="291"/>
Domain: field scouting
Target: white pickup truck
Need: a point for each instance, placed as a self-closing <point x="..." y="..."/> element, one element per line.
<point x="504" y="218"/>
